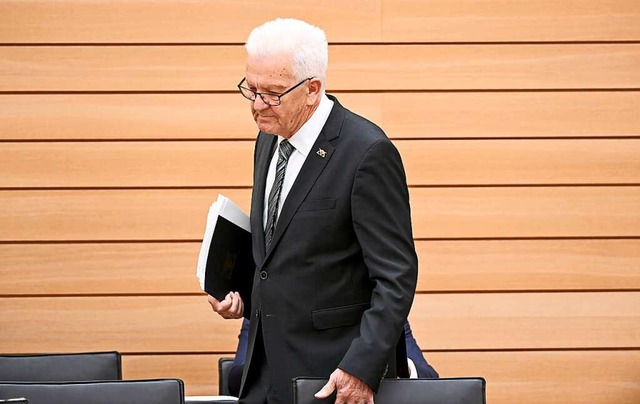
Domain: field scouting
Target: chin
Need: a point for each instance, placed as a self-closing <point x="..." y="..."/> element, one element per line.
<point x="267" y="129"/>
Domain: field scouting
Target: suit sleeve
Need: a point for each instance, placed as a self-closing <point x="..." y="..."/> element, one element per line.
<point x="382" y="223"/>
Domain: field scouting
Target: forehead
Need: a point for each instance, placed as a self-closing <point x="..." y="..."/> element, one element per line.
<point x="271" y="71"/>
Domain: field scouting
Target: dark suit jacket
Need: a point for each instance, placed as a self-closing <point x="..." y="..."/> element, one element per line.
<point x="338" y="281"/>
<point x="425" y="370"/>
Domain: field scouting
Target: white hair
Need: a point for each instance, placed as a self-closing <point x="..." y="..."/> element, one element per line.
<point x="306" y="43"/>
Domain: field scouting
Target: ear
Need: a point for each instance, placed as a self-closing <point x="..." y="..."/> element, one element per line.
<point x="314" y="87"/>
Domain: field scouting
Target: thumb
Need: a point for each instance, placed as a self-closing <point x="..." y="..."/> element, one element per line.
<point x="326" y="390"/>
<point x="215" y="303"/>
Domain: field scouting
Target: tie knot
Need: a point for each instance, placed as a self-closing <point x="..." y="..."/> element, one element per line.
<point x="286" y="149"/>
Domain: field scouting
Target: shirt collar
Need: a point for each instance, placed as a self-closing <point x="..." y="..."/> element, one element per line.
<point x="306" y="136"/>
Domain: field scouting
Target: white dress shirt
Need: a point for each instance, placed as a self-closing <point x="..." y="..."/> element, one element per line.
<point x="302" y="141"/>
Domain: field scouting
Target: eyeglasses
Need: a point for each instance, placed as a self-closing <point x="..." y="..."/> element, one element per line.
<point x="272" y="99"/>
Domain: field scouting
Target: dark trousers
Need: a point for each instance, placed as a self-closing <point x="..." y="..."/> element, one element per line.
<point x="257" y="387"/>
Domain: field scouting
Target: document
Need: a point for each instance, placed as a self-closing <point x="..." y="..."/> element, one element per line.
<point x="225" y="262"/>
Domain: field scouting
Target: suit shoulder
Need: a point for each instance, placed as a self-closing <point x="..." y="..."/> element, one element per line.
<point x="363" y="130"/>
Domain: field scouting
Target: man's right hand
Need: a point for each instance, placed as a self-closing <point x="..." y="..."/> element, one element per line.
<point x="231" y="307"/>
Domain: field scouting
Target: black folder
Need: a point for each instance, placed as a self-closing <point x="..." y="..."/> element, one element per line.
<point x="229" y="262"/>
<point x="225" y="263"/>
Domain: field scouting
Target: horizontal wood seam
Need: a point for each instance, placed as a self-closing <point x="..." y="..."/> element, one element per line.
<point x="331" y="91"/>
<point x="461" y="239"/>
<point x="372" y="43"/>
<point x="429" y="292"/>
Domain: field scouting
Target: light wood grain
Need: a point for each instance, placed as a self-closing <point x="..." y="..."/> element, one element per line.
<point x="99" y="268"/>
<point x="198" y="371"/>
<point x="553" y="377"/>
<point x="565" y="377"/>
<point x="518" y="20"/>
<point x="140" y="324"/>
<point x="525" y="212"/>
<point x="527" y="320"/>
<point x="75" y="21"/>
<point x="353" y="67"/>
<point x="502" y="265"/>
<point x="176" y="214"/>
<point x="203" y="21"/>
<point x="186" y="324"/>
<point x="230" y="163"/>
<point x="496" y="265"/>
<point x="407" y="115"/>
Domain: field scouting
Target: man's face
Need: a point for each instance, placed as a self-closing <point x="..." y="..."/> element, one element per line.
<point x="275" y="75"/>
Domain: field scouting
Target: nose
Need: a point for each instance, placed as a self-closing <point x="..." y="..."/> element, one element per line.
<point x="259" y="104"/>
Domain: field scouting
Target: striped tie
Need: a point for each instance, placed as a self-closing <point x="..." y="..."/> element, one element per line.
<point x="274" y="196"/>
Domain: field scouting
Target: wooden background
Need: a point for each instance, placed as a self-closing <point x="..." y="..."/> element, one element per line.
<point x="518" y="123"/>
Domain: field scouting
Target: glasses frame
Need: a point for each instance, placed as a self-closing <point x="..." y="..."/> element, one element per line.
<point x="256" y="94"/>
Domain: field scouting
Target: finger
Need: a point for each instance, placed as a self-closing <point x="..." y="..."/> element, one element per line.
<point x="237" y="308"/>
<point x="240" y="310"/>
<point x="213" y="302"/>
<point x="220" y="307"/>
<point x="326" y="390"/>
<point x="235" y="303"/>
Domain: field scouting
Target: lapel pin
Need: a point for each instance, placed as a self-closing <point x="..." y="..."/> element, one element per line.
<point x="321" y="153"/>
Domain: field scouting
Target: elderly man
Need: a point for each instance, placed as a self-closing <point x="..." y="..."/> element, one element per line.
<point x="336" y="266"/>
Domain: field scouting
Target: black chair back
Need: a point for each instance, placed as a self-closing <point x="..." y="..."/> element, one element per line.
<point x="224" y="367"/>
<point x="160" y="391"/>
<point x="404" y="391"/>
<point x="61" y="367"/>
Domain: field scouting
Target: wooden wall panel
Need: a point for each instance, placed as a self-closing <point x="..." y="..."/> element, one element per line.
<point x="138" y="164"/>
<point x="401" y="115"/>
<point x="479" y="265"/>
<point x="527" y="320"/>
<point x="526" y="212"/>
<point x="353" y="67"/>
<point x="99" y="268"/>
<point x="129" y="324"/>
<point x="74" y="21"/>
<point x="504" y="265"/>
<point x="177" y="214"/>
<point x="518" y="20"/>
<point x="518" y="126"/>
<point x="186" y="324"/>
<point x="230" y="163"/>
<point x="203" y="21"/>
<point x="552" y="377"/>
<point x="198" y="371"/>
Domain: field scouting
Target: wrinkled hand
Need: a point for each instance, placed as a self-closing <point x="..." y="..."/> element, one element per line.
<point x="351" y="390"/>
<point x="231" y="307"/>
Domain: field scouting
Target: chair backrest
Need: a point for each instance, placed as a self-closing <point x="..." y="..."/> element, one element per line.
<point x="159" y="391"/>
<point x="61" y="367"/>
<point x="224" y="366"/>
<point x="404" y="391"/>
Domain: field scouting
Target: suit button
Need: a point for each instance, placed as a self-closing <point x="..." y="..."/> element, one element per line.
<point x="257" y="313"/>
<point x="264" y="275"/>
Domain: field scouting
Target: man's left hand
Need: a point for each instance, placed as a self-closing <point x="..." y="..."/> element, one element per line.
<point x="351" y="390"/>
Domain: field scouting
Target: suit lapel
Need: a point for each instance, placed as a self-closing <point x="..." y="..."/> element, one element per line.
<point x="316" y="161"/>
<point x="264" y="152"/>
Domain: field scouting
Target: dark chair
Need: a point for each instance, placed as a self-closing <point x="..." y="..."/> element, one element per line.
<point x="404" y="391"/>
<point x="224" y="366"/>
<point x="210" y="400"/>
<point x="160" y="391"/>
<point x="61" y="367"/>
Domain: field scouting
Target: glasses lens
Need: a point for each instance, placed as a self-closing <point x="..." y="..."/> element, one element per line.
<point x="248" y="94"/>
<point x="270" y="99"/>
